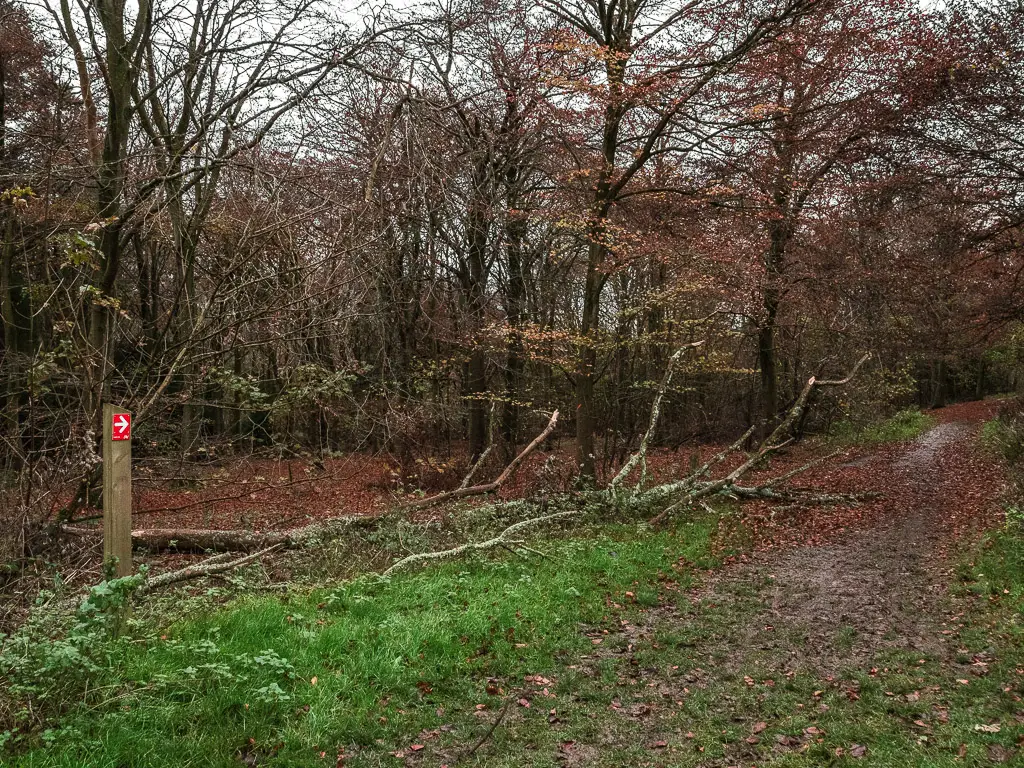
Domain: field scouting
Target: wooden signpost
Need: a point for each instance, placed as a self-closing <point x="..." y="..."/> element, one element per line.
<point x="117" y="488"/>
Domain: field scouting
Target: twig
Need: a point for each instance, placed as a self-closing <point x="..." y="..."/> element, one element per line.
<point x="502" y="539"/>
<point x="494" y="726"/>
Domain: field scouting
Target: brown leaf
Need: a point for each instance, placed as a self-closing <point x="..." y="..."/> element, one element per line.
<point x="997" y="753"/>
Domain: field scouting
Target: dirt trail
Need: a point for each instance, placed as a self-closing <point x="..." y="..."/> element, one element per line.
<point x="835" y="605"/>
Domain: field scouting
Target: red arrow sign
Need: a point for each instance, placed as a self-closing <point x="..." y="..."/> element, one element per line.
<point x="121" y="427"/>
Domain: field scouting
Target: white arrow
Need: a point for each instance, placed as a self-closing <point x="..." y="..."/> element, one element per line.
<point x="121" y="423"/>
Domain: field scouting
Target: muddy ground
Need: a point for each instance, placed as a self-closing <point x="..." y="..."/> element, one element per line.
<point x="835" y="605"/>
<point x="876" y="583"/>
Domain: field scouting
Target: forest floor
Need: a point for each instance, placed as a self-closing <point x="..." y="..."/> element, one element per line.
<point x="889" y="634"/>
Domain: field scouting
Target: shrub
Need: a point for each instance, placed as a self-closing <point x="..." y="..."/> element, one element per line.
<point x="904" y="425"/>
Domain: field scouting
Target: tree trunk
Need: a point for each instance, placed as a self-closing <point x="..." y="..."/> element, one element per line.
<point x="938" y="383"/>
<point x="587" y="360"/>
<point x="515" y="233"/>
<point x="119" y="76"/>
<point x="476" y="255"/>
<point x="767" y="353"/>
<point x="767" y="361"/>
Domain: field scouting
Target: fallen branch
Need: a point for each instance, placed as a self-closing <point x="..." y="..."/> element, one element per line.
<point x="495" y="485"/>
<point x="720" y="457"/>
<point x="640" y="456"/>
<point x="476" y="465"/>
<point x="800" y="470"/>
<point x="200" y="540"/>
<point x="694" y="490"/>
<point x="804" y="495"/>
<point x="157" y="540"/>
<point x="483" y="456"/>
<point x="210" y="567"/>
<point x="501" y="540"/>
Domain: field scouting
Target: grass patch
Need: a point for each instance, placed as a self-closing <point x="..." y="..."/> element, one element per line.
<point x="904" y="425"/>
<point x="1004" y="437"/>
<point x="361" y="670"/>
<point x="599" y="656"/>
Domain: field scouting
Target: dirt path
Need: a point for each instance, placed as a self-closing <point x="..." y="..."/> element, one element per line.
<point x="835" y="605"/>
<point x="840" y="641"/>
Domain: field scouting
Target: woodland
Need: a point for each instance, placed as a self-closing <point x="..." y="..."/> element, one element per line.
<point x="387" y="285"/>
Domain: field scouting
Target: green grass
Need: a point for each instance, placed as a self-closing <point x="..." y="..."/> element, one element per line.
<point x="1004" y="437"/>
<point x="390" y="659"/>
<point x="635" y="669"/>
<point x="904" y="425"/>
<point x="991" y="436"/>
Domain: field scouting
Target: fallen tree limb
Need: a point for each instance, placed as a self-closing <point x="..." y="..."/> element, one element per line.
<point x="805" y="495"/>
<point x="214" y="565"/>
<point x="495" y="485"/>
<point x="200" y="540"/>
<point x="693" y="489"/>
<point x="476" y="465"/>
<point x="720" y="457"/>
<point x="800" y="470"/>
<point x="640" y="456"/>
<point x="502" y="539"/>
<point x="483" y="455"/>
<point x="158" y="540"/>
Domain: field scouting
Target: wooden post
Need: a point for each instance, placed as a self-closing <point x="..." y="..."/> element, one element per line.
<point x="117" y="488"/>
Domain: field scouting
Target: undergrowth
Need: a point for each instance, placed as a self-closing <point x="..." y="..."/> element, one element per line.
<point x="288" y="680"/>
<point x="904" y="425"/>
<point x="597" y="653"/>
